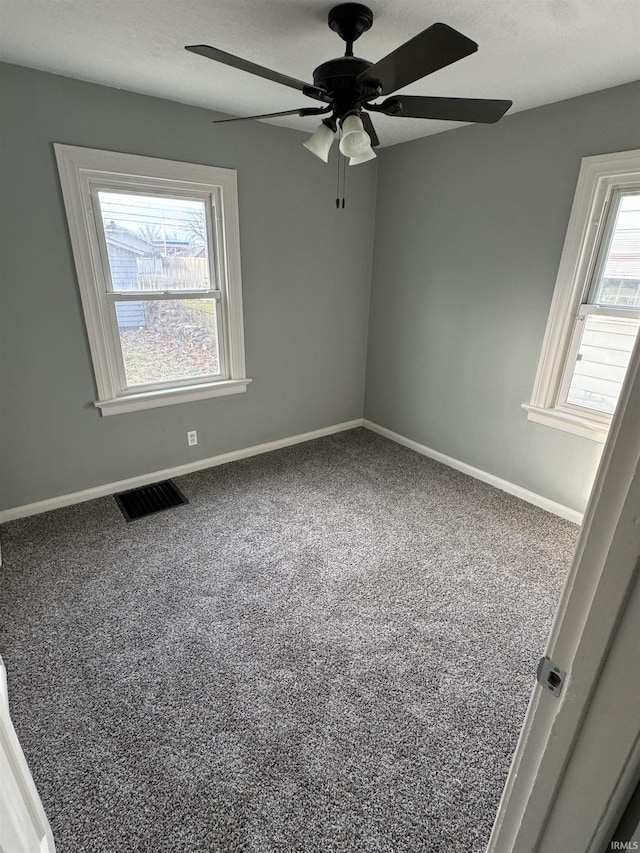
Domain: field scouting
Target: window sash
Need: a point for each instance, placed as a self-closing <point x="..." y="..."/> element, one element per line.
<point x="209" y="199"/>
<point x="604" y="240"/>
<point x="586" y="310"/>
<point x="123" y="386"/>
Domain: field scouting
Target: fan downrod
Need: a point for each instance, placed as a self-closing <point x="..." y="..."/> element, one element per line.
<point x="349" y="21"/>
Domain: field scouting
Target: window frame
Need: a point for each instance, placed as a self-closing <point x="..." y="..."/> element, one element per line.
<point x="84" y="172"/>
<point x="599" y="180"/>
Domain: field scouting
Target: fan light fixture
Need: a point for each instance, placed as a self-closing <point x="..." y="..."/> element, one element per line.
<point x="363" y="158"/>
<point x="321" y="141"/>
<point x="355" y="140"/>
<point x="355" y="143"/>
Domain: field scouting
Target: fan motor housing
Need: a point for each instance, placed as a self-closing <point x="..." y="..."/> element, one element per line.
<point x="339" y="77"/>
<point x="350" y="20"/>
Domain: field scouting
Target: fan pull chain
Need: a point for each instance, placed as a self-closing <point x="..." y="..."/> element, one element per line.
<point x="338" y="173"/>
<point x="341" y="173"/>
<point x="338" y="178"/>
<point x="344" y="179"/>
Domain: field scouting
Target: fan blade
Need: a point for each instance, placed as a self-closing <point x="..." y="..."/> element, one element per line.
<point x="446" y="109"/>
<point x="432" y="49"/>
<point x="259" y="70"/>
<point x="264" y="115"/>
<point x="368" y="126"/>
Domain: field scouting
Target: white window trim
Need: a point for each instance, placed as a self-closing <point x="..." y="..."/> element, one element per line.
<point x="81" y="169"/>
<point x="599" y="177"/>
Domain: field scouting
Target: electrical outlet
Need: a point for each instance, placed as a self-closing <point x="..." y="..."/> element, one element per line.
<point x="192" y="437"/>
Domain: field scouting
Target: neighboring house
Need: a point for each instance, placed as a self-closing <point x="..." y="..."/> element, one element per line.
<point x="125" y="248"/>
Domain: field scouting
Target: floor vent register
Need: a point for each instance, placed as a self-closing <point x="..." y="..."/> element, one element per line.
<point x="147" y="500"/>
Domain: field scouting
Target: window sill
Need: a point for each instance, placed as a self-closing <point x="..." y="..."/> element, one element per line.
<point x="576" y="424"/>
<point x="170" y="396"/>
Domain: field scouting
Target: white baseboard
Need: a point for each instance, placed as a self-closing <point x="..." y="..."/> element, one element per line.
<point x="246" y="452"/>
<point x="177" y="471"/>
<point x="504" y="485"/>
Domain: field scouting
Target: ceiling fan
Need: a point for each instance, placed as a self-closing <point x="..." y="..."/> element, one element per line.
<point x="348" y="86"/>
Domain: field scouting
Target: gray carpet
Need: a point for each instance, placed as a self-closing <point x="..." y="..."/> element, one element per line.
<point x="330" y="649"/>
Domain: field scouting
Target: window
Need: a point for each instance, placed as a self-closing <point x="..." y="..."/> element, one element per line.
<point x="595" y="313"/>
<point x="156" y="249"/>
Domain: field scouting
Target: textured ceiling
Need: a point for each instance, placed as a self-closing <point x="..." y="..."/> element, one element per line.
<point x="531" y="51"/>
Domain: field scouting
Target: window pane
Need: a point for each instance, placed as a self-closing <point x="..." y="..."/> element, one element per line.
<point x="165" y="340"/>
<point x="619" y="283"/>
<point x="605" y="349"/>
<point x="155" y="243"/>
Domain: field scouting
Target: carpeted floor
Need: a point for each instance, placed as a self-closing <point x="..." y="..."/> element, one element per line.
<point x="330" y="649"/>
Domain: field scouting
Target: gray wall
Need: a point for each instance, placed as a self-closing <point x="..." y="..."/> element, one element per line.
<point x="306" y="273"/>
<point x="469" y="230"/>
<point x="470" y="226"/>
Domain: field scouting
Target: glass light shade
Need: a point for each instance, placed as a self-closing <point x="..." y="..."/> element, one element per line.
<point x="355" y="140"/>
<point x="321" y="141"/>
<point x="363" y="158"/>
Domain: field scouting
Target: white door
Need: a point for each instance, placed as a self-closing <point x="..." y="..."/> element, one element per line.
<point x="24" y="827"/>
<point x="578" y="757"/>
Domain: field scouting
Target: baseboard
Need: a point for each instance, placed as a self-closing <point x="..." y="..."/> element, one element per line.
<point x="504" y="485"/>
<point x="244" y="453"/>
<point x="177" y="471"/>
